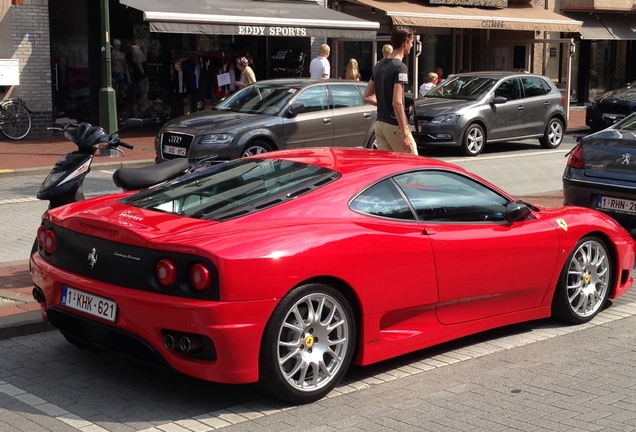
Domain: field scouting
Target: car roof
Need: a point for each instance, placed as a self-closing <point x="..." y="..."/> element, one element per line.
<point x="496" y="74"/>
<point x="351" y="160"/>
<point x="303" y="82"/>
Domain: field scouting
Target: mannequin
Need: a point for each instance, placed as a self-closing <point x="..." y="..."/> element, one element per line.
<point x="140" y="78"/>
<point x="121" y="75"/>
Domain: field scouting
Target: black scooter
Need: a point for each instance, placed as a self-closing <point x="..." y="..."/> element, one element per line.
<point x="64" y="183"/>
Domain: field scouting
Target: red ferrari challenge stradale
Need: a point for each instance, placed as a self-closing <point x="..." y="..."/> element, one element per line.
<point x="284" y="268"/>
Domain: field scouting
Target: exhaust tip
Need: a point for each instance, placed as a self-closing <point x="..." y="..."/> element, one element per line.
<point x="38" y="295"/>
<point x="168" y="341"/>
<point x="185" y="344"/>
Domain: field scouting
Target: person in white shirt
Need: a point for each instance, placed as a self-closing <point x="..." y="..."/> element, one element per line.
<point x="319" y="67"/>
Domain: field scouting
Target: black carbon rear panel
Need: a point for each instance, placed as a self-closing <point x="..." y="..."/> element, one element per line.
<point x="125" y="265"/>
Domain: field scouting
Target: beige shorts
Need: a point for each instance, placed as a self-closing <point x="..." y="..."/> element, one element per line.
<point x="389" y="137"/>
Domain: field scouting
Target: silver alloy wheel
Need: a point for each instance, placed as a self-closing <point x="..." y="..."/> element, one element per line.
<point x="555" y="133"/>
<point x="254" y="150"/>
<point x="474" y="140"/>
<point x="312" y="342"/>
<point x="588" y="279"/>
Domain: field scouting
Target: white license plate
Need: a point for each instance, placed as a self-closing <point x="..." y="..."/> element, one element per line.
<point x="178" y="151"/>
<point x="89" y="303"/>
<point x="617" y="204"/>
<point x="413" y="129"/>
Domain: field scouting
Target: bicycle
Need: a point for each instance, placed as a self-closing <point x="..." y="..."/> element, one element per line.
<point x="15" y="119"/>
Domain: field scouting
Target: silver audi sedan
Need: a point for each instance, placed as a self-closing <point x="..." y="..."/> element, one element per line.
<point x="467" y="110"/>
<point x="273" y="115"/>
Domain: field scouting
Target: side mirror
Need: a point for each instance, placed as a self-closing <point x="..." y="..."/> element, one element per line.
<point x="295" y="109"/>
<point x="516" y="210"/>
<point x="498" y="100"/>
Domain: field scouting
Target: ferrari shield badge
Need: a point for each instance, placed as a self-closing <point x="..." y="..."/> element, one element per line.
<point x="563" y="224"/>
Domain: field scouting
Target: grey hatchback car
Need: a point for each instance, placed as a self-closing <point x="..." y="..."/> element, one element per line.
<point x="273" y="115"/>
<point x="467" y="110"/>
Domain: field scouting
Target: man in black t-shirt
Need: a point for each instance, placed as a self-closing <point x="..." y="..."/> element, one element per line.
<point x="386" y="91"/>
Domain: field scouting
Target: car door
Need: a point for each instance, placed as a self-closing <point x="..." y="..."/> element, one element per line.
<point x="537" y="103"/>
<point x="485" y="265"/>
<point x="506" y="119"/>
<point x="313" y="127"/>
<point x="352" y="120"/>
<point x="399" y="249"/>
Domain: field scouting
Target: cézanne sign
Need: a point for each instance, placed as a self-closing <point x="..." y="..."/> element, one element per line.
<point x="271" y="31"/>
<point x="490" y="3"/>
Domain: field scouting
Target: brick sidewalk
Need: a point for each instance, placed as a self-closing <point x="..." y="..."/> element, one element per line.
<point x="44" y="152"/>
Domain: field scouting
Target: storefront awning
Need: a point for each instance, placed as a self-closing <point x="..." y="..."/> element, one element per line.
<point x="300" y="18"/>
<point x="514" y="17"/>
<point x="605" y="26"/>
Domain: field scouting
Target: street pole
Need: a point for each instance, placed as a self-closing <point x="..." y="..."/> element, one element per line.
<point x="107" y="99"/>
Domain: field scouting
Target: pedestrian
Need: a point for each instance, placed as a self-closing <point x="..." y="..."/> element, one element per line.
<point x="440" y="73"/>
<point x="431" y="83"/>
<point x="351" y="72"/>
<point x="386" y="90"/>
<point x="247" y="74"/>
<point x="386" y="50"/>
<point x="320" y="67"/>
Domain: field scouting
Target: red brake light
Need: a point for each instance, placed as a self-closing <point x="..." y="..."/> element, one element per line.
<point x="563" y="100"/>
<point x="575" y="160"/>
<point x="49" y="241"/>
<point x="166" y="272"/>
<point x="200" y="277"/>
<point x="40" y="235"/>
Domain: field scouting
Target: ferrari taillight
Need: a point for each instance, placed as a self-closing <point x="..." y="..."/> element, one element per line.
<point x="40" y="236"/>
<point x="200" y="277"/>
<point x="49" y="241"/>
<point x="575" y="160"/>
<point x="166" y="272"/>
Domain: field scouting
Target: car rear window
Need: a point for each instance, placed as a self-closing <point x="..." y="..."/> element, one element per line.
<point x="234" y="189"/>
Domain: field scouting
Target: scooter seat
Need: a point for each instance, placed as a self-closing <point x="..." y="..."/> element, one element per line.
<point x="144" y="177"/>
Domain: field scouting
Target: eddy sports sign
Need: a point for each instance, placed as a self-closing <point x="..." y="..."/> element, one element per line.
<point x="271" y="31"/>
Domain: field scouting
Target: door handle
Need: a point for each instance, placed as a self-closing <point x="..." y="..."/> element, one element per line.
<point x="546" y="103"/>
<point x="326" y="120"/>
<point x="367" y="115"/>
<point x="520" y="108"/>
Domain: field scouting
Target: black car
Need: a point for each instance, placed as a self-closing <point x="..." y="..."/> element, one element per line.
<point x="611" y="107"/>
<point x="273" y="115"/>
<point x="601" y="172"/>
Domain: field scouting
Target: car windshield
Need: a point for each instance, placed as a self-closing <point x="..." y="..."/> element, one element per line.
<point x="462" y="87"/>
<point x="234" y="189"/>
<point x="262" y="98"/>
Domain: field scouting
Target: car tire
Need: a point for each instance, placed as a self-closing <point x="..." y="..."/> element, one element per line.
<point x="474" y="140"/>
<point x="256" y="147"/>
<point x="373" y="143"/>
<point x="553" y="135"/>
<point x="585" y="282"/>
<point x="308" y="344"/>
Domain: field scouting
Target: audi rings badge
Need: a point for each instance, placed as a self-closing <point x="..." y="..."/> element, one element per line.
<point x="174" y="139"/>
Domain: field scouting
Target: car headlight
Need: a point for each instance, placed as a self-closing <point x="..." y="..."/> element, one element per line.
<point x="445" y="119"/>
<point x="222" y="138"/>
